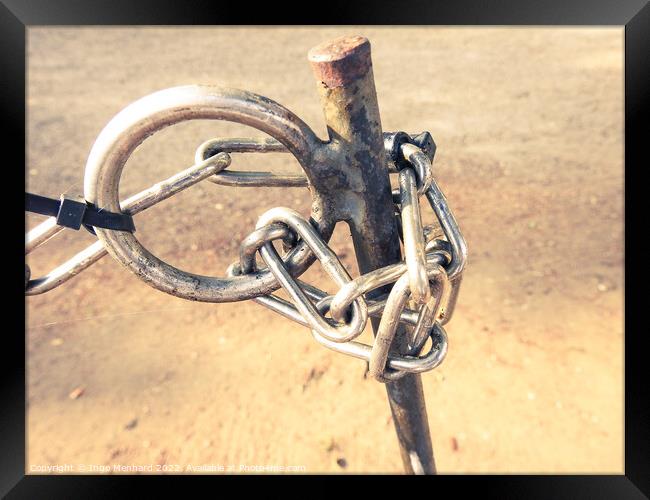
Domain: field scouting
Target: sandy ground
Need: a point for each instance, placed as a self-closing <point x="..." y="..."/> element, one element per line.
<point x="529" y="126"/>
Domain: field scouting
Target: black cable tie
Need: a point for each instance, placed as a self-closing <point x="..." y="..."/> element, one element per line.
<point x="393" y="142"/>
<point x="75" y="211"/>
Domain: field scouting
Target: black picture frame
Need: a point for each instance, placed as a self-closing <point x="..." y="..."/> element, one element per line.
<point x="17" y="15"/>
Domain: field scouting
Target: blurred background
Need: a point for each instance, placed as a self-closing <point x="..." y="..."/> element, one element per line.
<point x="529" y="128"/>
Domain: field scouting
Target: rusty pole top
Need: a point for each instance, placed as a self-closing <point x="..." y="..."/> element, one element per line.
<point x="340" y="61"/>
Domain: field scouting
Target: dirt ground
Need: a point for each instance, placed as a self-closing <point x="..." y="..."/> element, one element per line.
<point x="529" y="127"/>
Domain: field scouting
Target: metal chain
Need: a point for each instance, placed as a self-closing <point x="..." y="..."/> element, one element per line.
<point x="428" y="278"/>
<point x="437" y="262"/>
<point x="409" y="301"/>
<point x="133" y="205"/>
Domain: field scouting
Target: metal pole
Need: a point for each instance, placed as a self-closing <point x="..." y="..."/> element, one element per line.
<point x="343" y="69"/>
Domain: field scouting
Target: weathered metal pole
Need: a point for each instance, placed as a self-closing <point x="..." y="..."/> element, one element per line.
<point x="343" y="69"/>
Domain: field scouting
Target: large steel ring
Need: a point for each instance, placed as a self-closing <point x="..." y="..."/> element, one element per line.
<point x="156" y="111"/>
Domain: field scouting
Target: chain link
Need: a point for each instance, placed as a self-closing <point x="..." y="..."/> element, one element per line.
<point x="428" y="278"/>
<point x="440" y="260"/>
<point x="413" y="236"/>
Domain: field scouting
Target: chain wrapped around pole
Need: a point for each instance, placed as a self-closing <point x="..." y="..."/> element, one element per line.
<point x="408" y="300"/>
<point x="441" y="261"/>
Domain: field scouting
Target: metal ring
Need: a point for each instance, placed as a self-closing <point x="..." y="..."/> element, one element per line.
<point x="244" y="178"/>
<point x="405" y="363"/>
<point x="254" y="241"/>
<point x="132" y="205"/>
<point x="440" y="207"/>
<point x="156" y="111"/>
<point x="336" y="332"/>
<point x="257" y="239"/>
<point x="421" y="164"/>
<point x="449" y="226"/>
<point x="288" y="310"/>
<point x="456" y="266"/>
<point x="375" y="279"/>
<point x="431" y="312"/>
<point x="392" y="143"/>
<point x="452" y="300"/>
<point x="396" y="302"/>
<point x="438" y="245"/>
<point x="455" y="242"/>
<point x="413" y="236"/>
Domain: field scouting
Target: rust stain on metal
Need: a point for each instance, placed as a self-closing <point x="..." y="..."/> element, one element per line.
<point x="340" y="61"/>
